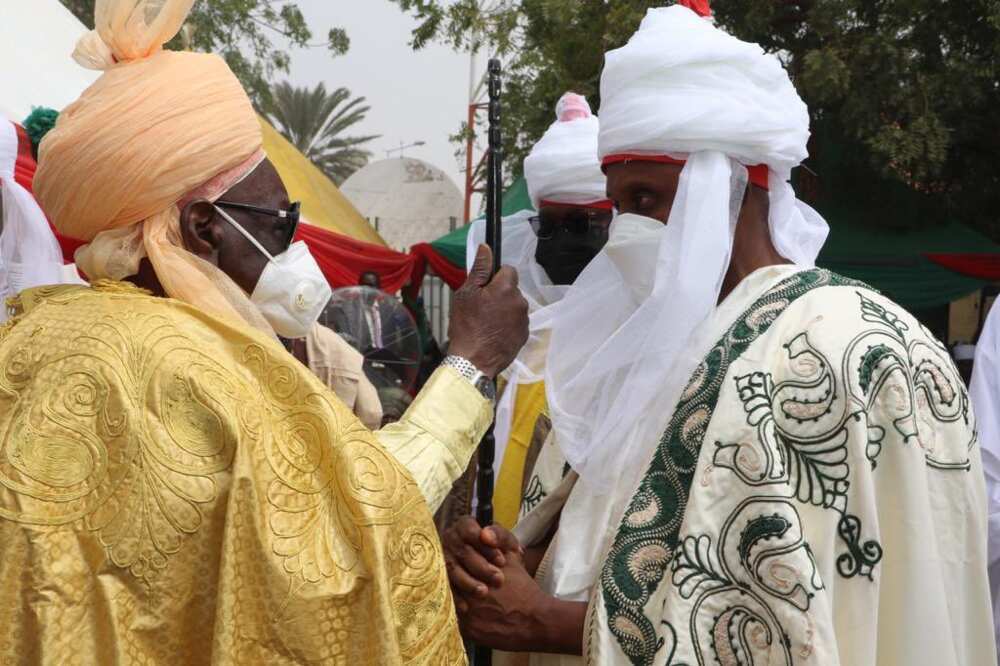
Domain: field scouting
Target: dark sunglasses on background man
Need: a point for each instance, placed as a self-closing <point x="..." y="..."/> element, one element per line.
<point x="583" y="221"/>
<point x="289" y="215"/>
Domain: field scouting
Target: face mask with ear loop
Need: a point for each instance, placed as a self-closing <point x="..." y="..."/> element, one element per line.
<point x="292" y="291"/>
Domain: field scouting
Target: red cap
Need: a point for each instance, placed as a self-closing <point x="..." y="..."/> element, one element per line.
<point x="604" y="204"/>
<point x="759" y="174"/>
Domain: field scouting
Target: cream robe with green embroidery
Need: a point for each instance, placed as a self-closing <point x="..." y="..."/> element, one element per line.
<point x="817" y="498"/>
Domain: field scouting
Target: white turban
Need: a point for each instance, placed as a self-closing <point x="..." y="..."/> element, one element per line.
<point x="685" y="90"/>
<point x="681" y="85"/>
<point x="563" y="167"/>
<point x="29" y="253"/>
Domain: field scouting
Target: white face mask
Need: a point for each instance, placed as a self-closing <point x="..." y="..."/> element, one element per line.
<point x="633" y="247"/>
<point x="627" y="227"/>
<point x="292" y="291"/>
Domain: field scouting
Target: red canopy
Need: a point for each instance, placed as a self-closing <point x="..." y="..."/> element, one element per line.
<point x="24" y="165"/>
<point x="981" y="265"/>
<point x="344" y="259"/>
<point x="423" y="254"/>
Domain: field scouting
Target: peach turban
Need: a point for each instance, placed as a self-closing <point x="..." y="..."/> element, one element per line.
<point x="154" y="127"/>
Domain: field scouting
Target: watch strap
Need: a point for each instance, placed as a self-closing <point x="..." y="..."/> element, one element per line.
<point x="474" y="375"/>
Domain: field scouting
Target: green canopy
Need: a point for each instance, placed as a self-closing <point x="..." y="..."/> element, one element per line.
<point x="452" y="245"/>
<point x="516" y="198"/>
<point x="894" y="261"/>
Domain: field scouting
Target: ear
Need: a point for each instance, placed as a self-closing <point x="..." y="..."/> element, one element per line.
<point x="200" y="230"/>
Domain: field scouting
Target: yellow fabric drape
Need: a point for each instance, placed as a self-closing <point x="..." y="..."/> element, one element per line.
<point x="322" y="203"/>
<point x="529" y="404"/>
<point x="177" y="490"/>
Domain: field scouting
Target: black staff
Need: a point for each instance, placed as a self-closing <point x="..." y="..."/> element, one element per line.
<point x="494" y="183"/>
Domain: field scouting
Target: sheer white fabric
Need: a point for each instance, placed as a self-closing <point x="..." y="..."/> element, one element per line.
<point x="621" y="339"/>
<point x="518" y="246"/>
<point x="984" y="390"/>
<point x="682" y="85"/>
<point x="563" y="167"/>
<point x="29" y="253"/>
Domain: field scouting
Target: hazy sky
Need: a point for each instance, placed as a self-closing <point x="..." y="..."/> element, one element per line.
<point x="415" y="96"/>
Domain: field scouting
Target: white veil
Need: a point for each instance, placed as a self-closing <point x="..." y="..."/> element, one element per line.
<point x="519" y="245"/>
<point x="29" y="252"/>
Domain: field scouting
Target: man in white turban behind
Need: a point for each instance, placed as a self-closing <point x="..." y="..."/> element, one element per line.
<point x="771" y="464"/>
<point x="176" y="488"/>
<point x="548" y="247"/>
<point x="29" y="252"/>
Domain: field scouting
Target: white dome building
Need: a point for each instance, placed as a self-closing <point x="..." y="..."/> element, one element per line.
<point x="407" y="200"/>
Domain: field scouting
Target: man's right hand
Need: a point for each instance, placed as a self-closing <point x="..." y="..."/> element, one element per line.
<point x="474" y="556"/>
<point x="489" y="317"/>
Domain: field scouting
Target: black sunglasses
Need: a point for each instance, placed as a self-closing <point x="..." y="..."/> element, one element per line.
<point x="580" y="222"/>
<point x="290" y="215"/>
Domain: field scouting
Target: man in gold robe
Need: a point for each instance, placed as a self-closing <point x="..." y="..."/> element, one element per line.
<point x="174" y="486"/>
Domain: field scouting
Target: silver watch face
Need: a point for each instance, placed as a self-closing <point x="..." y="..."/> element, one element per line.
<point x="486" y="386"/>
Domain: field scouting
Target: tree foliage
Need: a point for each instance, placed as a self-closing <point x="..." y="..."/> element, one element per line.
<point x="902" y="93"/>
<point x="316" y="121"/>
<point x="242" y="32"/>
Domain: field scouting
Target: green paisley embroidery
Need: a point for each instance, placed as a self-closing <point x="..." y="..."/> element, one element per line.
<point x="648" y="537"/>
<point x="802" y="441"/>
<point x="909" y="371"/>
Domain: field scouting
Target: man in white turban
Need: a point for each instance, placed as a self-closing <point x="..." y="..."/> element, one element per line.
<point x="771" y="464"/>
<point x="29" y="252"/>
<point x="549" y="247"/>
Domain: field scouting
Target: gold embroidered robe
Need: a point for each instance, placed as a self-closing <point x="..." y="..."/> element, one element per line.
<point x="174" y="489"/>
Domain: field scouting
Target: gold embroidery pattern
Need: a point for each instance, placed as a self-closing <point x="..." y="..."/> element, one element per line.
<point x="186" y="491"/>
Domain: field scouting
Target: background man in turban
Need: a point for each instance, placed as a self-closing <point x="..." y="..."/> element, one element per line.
<point x="548" y="249"/>
<point x="29" y="253"/>
<point x="174" y="486"/>
<point x="771" y="464"/>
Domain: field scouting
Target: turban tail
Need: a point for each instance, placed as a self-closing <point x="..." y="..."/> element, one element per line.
<point x="562" y="167"/>
<point x="154" y="127"/>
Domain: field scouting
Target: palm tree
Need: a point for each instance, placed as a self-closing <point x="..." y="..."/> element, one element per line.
<point x="315" y="121"/>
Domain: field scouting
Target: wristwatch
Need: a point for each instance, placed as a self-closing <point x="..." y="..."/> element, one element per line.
<point x="483" y="383"/>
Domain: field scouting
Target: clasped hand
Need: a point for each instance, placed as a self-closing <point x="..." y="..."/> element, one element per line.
<point x="499" y="603"/>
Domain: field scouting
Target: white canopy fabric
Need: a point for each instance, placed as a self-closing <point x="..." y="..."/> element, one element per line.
<point x="37" y="38"/>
